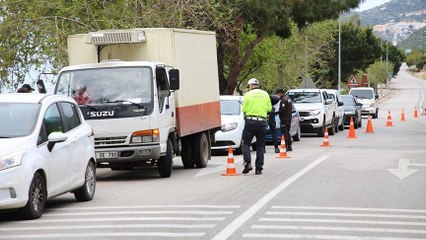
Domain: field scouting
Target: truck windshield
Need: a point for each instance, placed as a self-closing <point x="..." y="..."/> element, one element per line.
<point x="120" y="91"/>
<point x="362" y="93"/>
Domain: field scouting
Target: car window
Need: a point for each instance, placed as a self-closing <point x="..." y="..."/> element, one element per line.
<point x="71" y="115"/>
<point x="362" y="93"/>
<point x="230" y="107"/>
<point x="348" y="101"/>
<point x="17" y="119"/>
<point x="305" y="97"/>
<point x="52" y="120"/>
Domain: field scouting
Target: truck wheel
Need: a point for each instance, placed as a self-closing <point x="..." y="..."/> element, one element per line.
<point x="165" y="163"/>
<point x="201" y="150"/>
<point x="186" y="153"/>
<point x="87" y="191"/>
<point x="36" y="199"/>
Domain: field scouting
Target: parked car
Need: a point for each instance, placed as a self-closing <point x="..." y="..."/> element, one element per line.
<point x="46" y="149"/>
<point x="295" y="131"/>
<point x="315" y="110"/>
<point x="352" y="110"/>
<point x="338" y="109"/>
<point x="233" y="123"/>
<point x="367" y="97"/>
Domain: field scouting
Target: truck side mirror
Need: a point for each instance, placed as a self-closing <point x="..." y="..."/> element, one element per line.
<point x="174" y="79"/>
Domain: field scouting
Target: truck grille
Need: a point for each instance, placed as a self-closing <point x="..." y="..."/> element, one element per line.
<point x="110" y="140"/>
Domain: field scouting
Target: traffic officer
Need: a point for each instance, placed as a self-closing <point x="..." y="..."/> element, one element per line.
<point x="256" y="106"/>
<point x="285" y="112"/>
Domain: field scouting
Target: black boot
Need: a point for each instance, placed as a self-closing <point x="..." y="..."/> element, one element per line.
<point x="289" y="149"/>
<point x="277" y="150"/>
<point x="247" y="168"/>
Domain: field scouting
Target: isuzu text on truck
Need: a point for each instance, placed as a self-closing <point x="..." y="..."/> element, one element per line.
<point x="149" y="95"/>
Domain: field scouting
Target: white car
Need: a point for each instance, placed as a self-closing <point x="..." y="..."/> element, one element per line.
<point x="233" y="123"/>
<point x="338" y="107"/>
<point x="46" y="149"/>
<point x="367" y="97"/>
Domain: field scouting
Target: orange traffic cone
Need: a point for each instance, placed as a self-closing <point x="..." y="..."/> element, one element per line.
<point x="230" y="170"/>
<point x="326" y="143"/>
<point x="369" y="126"/>
<point x="351" y="134"/>
<point x="415" y="113"/>
<point x="402" y="116"/>
<point x="283" y="149"/>
<point x="389" y="120"/>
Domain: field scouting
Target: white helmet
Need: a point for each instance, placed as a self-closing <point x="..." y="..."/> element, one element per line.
<point x="253" y="81"/>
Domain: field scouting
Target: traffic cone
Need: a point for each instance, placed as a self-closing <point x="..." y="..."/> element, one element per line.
<point x="351" y="134"/>
<point x="415" y="113"/>
<point x="326" y="143"/>
<point x="389" y="120"/>
<point x="402" y="116"/>
<point x="369" y="126"/>
<point x="283" y="149"/>
<point x="230" y="170"/>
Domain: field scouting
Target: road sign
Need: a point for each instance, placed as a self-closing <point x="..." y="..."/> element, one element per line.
<point x="353" y="81"/>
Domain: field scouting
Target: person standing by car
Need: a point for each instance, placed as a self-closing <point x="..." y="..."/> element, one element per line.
<point x="275" y="101"/>
<point x="285" y="112"/>
<point x="26" y="88"/>
<point x="256" y="106"/>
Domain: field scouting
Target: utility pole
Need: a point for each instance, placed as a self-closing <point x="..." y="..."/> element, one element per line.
<point x="339" y="60"/>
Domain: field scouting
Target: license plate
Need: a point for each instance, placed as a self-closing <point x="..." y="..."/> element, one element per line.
<point x="107" y="155"/>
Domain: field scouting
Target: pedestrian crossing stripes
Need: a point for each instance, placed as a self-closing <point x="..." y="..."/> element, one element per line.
<point x="121" y="222"/>
<point x="341" y="223"/>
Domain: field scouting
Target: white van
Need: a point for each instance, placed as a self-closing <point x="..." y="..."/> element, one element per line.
<point x="367" y="97"/>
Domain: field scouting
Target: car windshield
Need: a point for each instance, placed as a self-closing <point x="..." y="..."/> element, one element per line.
<point x="348" y="101"/>
<point x="17" y="119"/>
<point x="305" y="97"/>
<point x="230" y="107"/>
<point x="362" y="93"/>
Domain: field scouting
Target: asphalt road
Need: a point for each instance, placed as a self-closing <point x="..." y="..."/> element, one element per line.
<point x="371" y="187"/>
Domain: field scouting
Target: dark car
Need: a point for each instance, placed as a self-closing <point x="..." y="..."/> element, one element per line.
<point x="352" y="110"/>
<point x="294" y="129"/>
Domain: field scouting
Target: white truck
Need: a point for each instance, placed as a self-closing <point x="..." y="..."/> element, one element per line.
<point x="149" y="95"/>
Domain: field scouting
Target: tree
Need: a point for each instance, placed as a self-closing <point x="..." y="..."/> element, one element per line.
<point x="417" y="58"/>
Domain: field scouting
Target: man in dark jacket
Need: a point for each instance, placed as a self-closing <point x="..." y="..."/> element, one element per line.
<point x="275" y="101"/>
<point x="285" y="112"/>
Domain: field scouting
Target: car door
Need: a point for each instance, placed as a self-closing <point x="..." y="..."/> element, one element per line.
<point x="58" y="159"/>
<point x="78" y="137"/>
<point x="328" y="108"/>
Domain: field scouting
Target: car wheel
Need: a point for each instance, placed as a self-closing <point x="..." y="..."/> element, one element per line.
<point x="201" y="150"/>
<point x="342" y="126"/>
<point x="87" y="191"/>
<point x="332" y="128"/>
<point x="336" y="125"/>
<point x="36" y="199"/>
<point x="321" y="131"/>
<point x="239" y="150"/>
<point x="186" y="153"/>
<point x="165" y="163"/>
<point x="298" y="135"/>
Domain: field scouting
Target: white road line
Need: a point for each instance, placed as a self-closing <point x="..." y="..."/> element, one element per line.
<point x="147" y="206"/>
<point x="108" y="226"/>
<point x="312" y="236"/>
<point x="103" y="235"/>
<point x="239" y="221"/>
<point x="351" y="209"/>
<point x="199" y="219"/>
<point x="341" y="221"/>
<point x="346" y="215"/>
<point x="346" y="229"/>
<point x="140" y="212"/>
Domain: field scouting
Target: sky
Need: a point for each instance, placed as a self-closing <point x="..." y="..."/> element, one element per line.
<point x="370" y="4"/>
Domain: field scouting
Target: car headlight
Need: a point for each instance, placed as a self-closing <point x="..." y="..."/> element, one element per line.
<point x="314" y="112"/>
<point x="350" y="112"/>
<point x="11" y="160"/>
<point x="229" y="126"/>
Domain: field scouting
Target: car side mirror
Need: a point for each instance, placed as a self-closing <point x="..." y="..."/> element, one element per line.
<point x="359" y="104"/>
<point x="339" y="103"/>
<point x="328" y="101"/>
<point x="174" y="79"/>
<point x="55" y="137"/>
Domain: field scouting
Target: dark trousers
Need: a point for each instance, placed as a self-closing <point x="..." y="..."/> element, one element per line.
<point x="251" y="129"/>
<point x="272" y="126"/>
<point x="285" y="129"/>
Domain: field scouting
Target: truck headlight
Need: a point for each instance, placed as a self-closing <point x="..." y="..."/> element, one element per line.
<point x="314" y="112"/>
<point x="229" y="126"/>
<point x="145" y="136"/>
<point x="11" y="160"/>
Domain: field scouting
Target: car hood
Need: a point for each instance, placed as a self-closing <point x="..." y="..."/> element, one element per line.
<point x="11" y="145"/>
<point x="349" y="108"/>
<point x="308" y="106"/>
<point x="365" y="101"/>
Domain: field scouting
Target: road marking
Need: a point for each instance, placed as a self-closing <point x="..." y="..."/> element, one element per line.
<point x="402" y="171"/>
<point x="146" y="206"/>
<point x="114" y="226"/>
<point x="346" y="229"/>
<point x="312" y="236"/>
<point x="90" y="235"/>
<point x="139" y="212"/>
<point x="341" y="221"/>
<point x="351" y="209"/>
<point x="346" y="215"/>
<point x="222" y="167"/>
<point x="125" y="219"/>
<point x="239" y="221"/>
